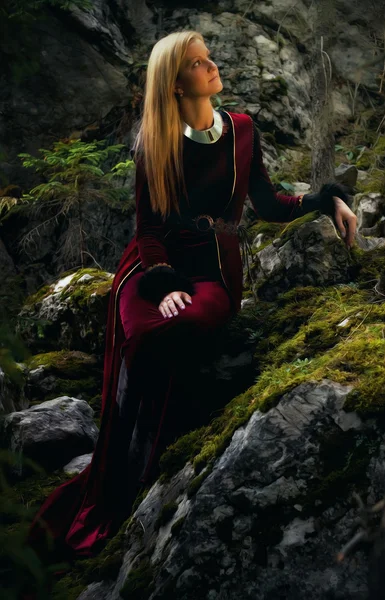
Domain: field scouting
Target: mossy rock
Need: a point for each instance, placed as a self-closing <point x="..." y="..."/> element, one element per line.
<point x="66" y="372"/>
<point x="74" y="317"/>
<point x="288" y="232"/>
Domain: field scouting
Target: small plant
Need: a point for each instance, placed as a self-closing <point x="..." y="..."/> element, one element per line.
<point x="74" y="174"/>
<point x="351" y="155"/>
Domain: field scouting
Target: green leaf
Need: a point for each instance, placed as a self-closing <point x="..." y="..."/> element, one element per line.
<point x="287" y="186"/>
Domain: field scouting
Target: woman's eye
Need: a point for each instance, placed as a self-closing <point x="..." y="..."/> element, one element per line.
<point x="211" y="58"/>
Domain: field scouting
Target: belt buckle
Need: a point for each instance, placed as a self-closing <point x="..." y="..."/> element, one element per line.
<point x="207" y="222"/>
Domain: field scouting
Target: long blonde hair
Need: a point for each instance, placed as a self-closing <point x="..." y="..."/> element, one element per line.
<point x="159" y="141"/>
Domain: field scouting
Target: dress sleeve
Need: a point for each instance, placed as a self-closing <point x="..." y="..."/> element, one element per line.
<point x="267" y="203"/>
<point x="149" y="225"/>
<point x="159" y="278"/>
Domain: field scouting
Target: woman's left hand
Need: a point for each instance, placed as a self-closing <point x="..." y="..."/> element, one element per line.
<point x="342" y="215"/>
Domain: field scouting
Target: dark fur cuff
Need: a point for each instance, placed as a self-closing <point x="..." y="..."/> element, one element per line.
<point x="155" y="284"/>
<point x="323" y="200"/>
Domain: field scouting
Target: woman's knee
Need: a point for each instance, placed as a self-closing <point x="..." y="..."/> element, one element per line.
<point x="207" y="311"/>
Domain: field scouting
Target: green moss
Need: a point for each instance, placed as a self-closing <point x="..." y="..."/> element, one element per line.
<point x="273" y="230"/>
<point x="294" y="225"/>
<point x="197" y="482"/>
<point x="100" y="284"/>
<point x="38" y="296"/>
<point x="167" y="511"/>
<point x="67" y="363"/>
<point x="81" y="293"/>
<point x="177" y="526"/>
<point x="180" y="452"/>
<point x="374" y="183"/>
<point x="76" y="374"/>
<point x="139" y="582"/>
<point x="369" y="264"/>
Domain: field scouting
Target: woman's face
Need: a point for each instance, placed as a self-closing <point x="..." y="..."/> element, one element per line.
<point x="196" y="72"/>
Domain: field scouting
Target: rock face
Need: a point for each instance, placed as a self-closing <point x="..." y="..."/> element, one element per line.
<point x="51" y="433"/>
<point x="269" y="518"/>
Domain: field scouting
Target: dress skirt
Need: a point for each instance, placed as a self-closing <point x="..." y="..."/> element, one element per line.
<point x="162" y="356"/>
<point x="153" y="406"/>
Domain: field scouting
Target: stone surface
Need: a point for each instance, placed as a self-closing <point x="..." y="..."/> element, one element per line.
<point x="313" y="255"/>
<point x="370" y="209"/>
<point x="77" y="464"/>
<point x="51" y="433"/>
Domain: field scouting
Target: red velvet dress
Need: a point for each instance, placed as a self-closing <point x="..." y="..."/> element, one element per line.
<point x="87" y="509"/>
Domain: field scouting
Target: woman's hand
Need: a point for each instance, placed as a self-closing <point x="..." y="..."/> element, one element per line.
<point x="342" y="215"/>
<point x="167" y="306"/>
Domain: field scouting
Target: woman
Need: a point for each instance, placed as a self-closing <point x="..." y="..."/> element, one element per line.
<point x="179" y="280"/>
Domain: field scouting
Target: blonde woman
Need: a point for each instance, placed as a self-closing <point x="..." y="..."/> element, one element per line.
<point x="179" y="280"/>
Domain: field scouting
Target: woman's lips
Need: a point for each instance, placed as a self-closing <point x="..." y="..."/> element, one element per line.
<point x="213" y="78"/>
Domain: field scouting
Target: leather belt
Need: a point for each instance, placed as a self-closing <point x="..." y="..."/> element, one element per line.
<point x="204" y="223"/>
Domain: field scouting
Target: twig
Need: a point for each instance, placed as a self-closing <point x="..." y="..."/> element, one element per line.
<point x="360" y="536"/>
<point x="359" y="325"/>
<point x="89" y="254"/>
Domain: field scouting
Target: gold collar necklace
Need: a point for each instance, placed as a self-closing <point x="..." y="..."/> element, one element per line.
<point x="206" y="136"/>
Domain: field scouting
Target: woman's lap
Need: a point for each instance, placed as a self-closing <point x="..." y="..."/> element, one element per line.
<point x="210" y="308"/>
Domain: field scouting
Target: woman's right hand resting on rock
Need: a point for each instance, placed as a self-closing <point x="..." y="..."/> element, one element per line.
<point x="168" y="305"/>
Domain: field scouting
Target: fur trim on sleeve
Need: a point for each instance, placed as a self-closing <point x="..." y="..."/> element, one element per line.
<point x="323" y="200"/>
<point x="155" y="284"/>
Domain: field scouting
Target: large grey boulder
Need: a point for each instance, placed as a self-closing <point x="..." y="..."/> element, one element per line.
<point x="51" y="433"/>
<point x="270" y="517"/>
